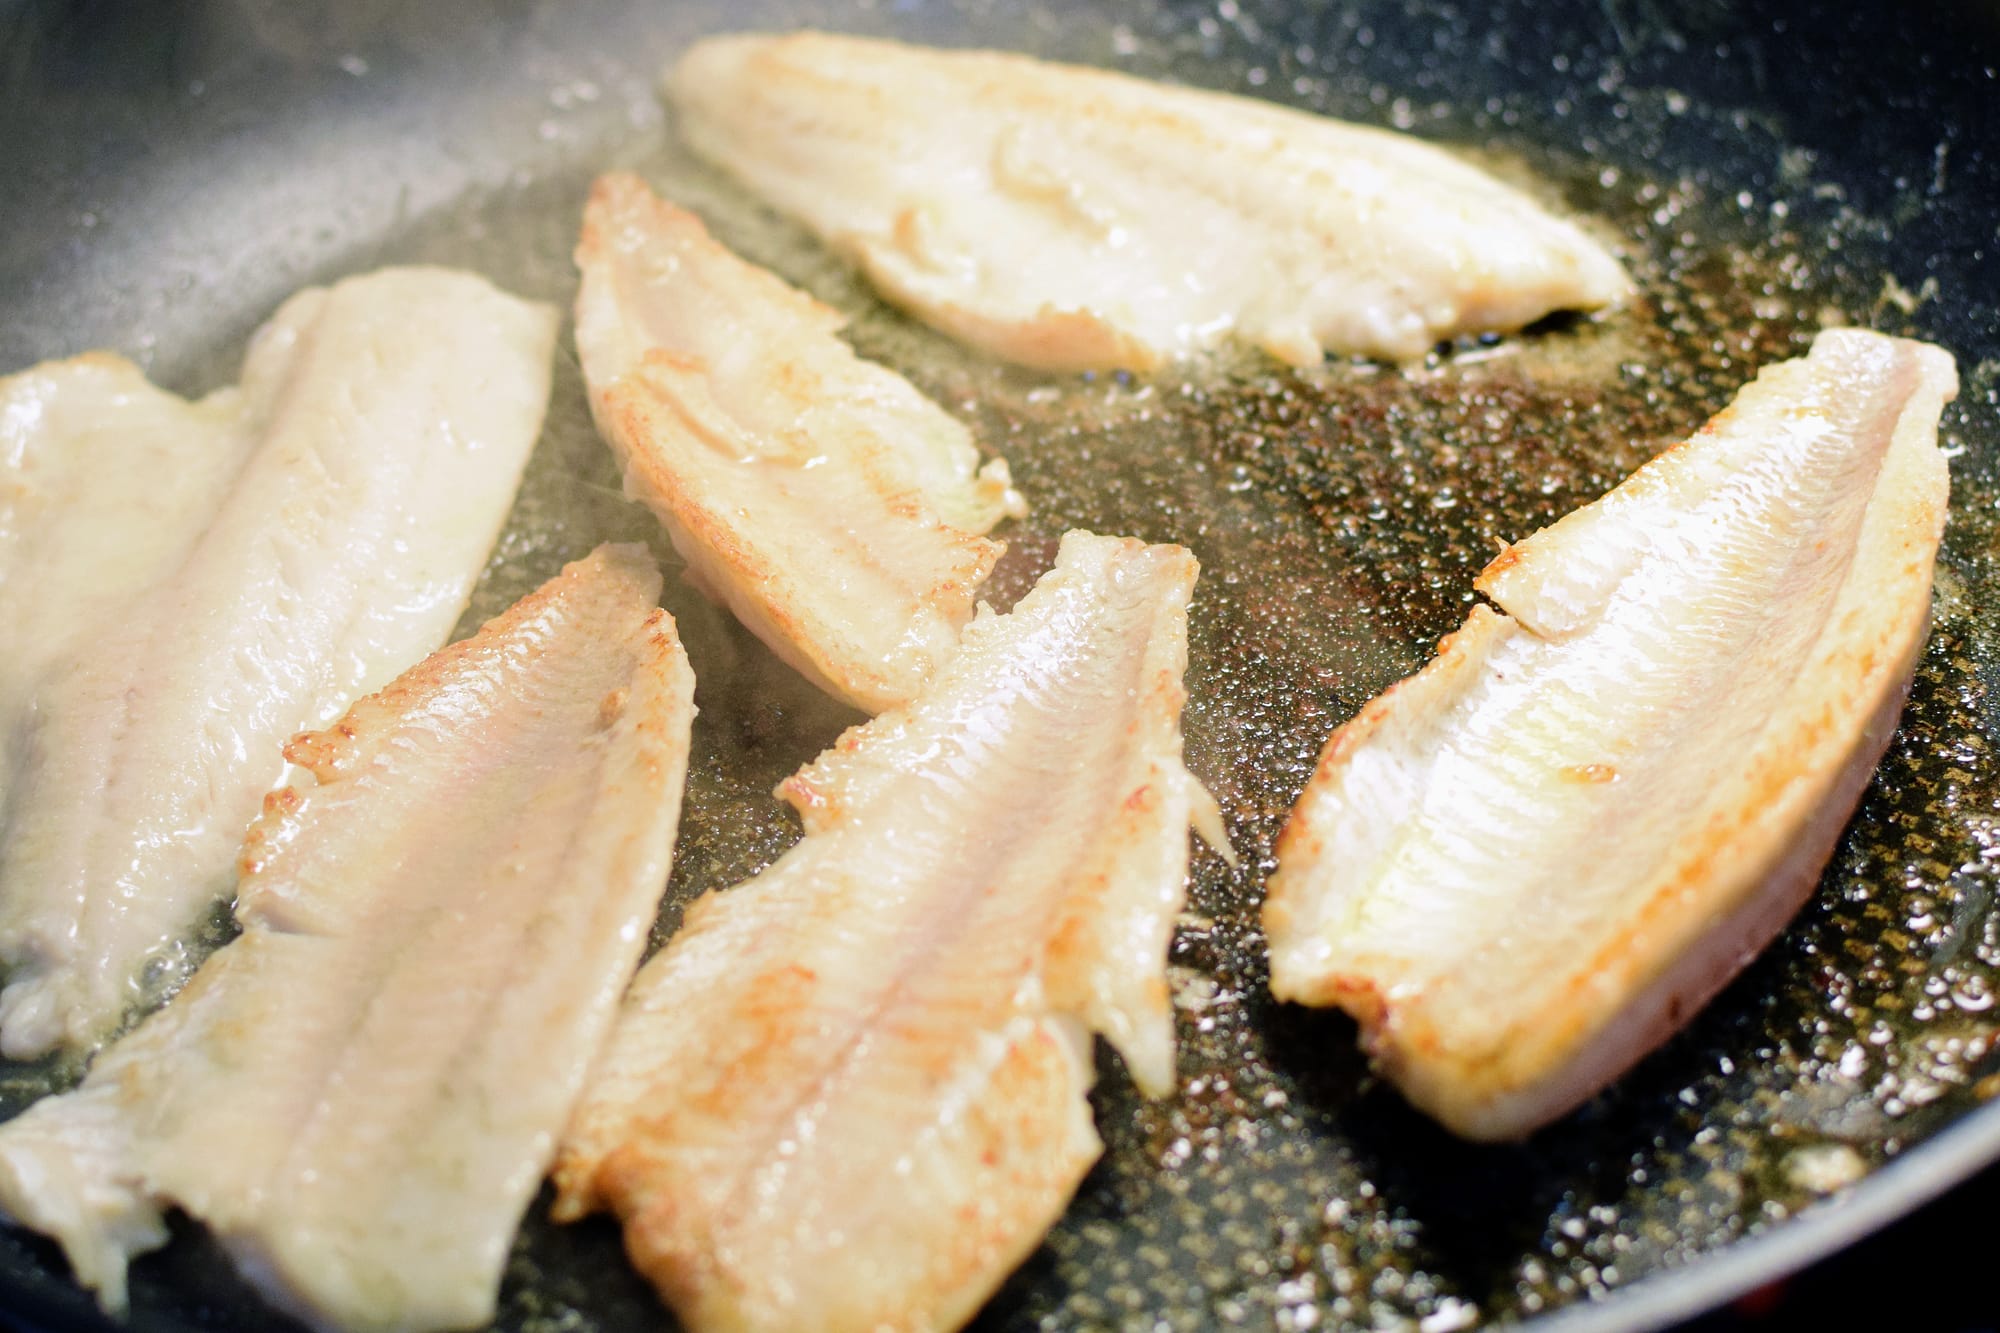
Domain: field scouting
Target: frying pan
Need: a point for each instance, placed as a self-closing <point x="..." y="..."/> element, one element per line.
<point x="172" y="170"/>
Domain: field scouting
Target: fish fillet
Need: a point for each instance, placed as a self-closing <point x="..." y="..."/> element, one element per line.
<point x="1525" y="866"/>
<point x="850" y="1094"/>
<point x="359" y="1095"/>
<point x="1077" y="219"/>
<point x="834" y="508"/>
<point x="385" y="422"/>
<point x="105" y="481"/>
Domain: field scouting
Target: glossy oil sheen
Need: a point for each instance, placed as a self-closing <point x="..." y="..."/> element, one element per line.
<point x="1339" y="515"/>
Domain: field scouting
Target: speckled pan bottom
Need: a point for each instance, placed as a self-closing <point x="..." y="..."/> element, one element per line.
<point x="1340" y="516"/>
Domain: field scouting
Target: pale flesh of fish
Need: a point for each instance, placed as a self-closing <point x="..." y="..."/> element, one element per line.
<point x="850" y="1094"/>
<point x="383" y="425"/>
<point x="105" y="481"/>
<point x="834" y="508"/>
<point x="360" y="1094"/>
<point x="1525" y="866"/>
<point x="1076" y="219"/>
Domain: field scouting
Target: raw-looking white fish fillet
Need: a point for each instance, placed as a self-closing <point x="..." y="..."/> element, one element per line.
<point x="360" y="1094"/>
<point x="1525" y="866"/>
<point x="391" y="416"/>
<point x="834" y="508"/>
<point x="1075" y="219"/>
<point x="850" y="1094"/>
<point x="105" y="482"/>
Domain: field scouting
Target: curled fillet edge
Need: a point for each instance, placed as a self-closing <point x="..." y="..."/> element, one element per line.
<point x="1527" y="865"/>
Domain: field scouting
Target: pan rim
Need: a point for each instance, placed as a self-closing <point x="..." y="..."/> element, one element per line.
<point x="1672" y="1295"/>
<point x="1665" y="1297"/>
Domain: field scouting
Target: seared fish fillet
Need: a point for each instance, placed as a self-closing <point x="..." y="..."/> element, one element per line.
<point x="105" y="481"/>
<point x="833" y="507"/>
<point x="1077" y="219"/>
<point x="359" y="1095"/>
<point x="379" y="435"/>
<point x="850" y="1094"/>
<point x="1525" y="866"/>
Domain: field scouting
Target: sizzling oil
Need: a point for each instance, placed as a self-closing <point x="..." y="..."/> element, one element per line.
<point x="1340" y="515"/>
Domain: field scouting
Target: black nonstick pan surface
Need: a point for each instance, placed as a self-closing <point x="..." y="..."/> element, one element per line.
<point x="170" y="171"/>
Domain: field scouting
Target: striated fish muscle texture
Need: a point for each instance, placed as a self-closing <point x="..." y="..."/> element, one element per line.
<point x="360" y="1094"/>
<point x="337" y="509"/>
<point x="850" y="1094"/>
<point x="105" y="481"/>
<point x="1526" y="865"/>
<point x="835" y="509"/>
<point x="1079" y="219"/>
